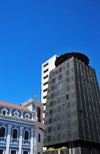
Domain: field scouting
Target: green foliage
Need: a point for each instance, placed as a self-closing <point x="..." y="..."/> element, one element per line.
<point x="52" y="149"/>
<point x="64" y="148"/>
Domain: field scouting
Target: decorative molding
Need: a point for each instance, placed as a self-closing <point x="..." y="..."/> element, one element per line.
<point x="17" y="119"/>
<point x="16" y="112"/>
<point x="4" y="109"/>
<point x="27" y="114"/>
<point x="13" y="122"/>
<point x="9" y="126"/>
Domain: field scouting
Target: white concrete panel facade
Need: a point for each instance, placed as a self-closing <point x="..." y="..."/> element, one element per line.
<point x="46" y="68"/>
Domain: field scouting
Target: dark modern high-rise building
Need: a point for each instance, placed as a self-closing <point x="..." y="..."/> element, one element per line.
<point x="72" y="116"/>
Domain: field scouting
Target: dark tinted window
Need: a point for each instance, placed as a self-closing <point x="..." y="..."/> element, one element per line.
<point x="51" y="103"/>
<point x="49" y="129"/>
<point x="60" y="69"/>
<point x="67" y="72"/>
<point x="48" y="138"/>
<point x="58" y="136"/>
<point x="50" y="112"/>
<point x="50" y="120"/>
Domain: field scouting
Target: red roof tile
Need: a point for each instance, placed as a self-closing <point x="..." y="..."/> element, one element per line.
<point x="14" y="105"/>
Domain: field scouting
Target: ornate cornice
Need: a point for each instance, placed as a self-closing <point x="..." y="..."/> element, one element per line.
<point x="17" y="119"/>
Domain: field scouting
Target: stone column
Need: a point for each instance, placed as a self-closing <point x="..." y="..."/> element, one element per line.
<point x="20" y="139"/>
<point x="8" y="139"/>
<point x="35" y="140"/>
<point x="32" y="135"/>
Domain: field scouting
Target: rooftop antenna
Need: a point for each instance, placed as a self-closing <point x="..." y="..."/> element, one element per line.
<point x="33" y="95"/>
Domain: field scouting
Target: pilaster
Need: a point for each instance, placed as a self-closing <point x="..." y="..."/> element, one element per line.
<point x="8" y="139"/>
<point x="35" y="140"/>
<point x="42" y="136"/>
<point x="20" y="140"/>
<point x="32" y="135"/>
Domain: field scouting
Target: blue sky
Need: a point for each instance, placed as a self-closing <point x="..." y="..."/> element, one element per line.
<point x="32" y="31"/>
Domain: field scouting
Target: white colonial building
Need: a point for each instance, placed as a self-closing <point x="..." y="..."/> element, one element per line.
<point x="21" y="127"/>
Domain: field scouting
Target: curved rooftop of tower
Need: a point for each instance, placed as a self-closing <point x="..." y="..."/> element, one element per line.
<point x="66" y="56"/>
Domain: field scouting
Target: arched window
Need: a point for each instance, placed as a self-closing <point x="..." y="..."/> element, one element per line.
<point x="39" y="138"/>
<point x="14" y="134"/>
<point x="16" y="113"/>
<point x="39" y="114"/>
<point x="26" y="135"/>
<point x="2" y="132"/>
<point x="4" y="112"/>
<point x="26" y="116"/>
